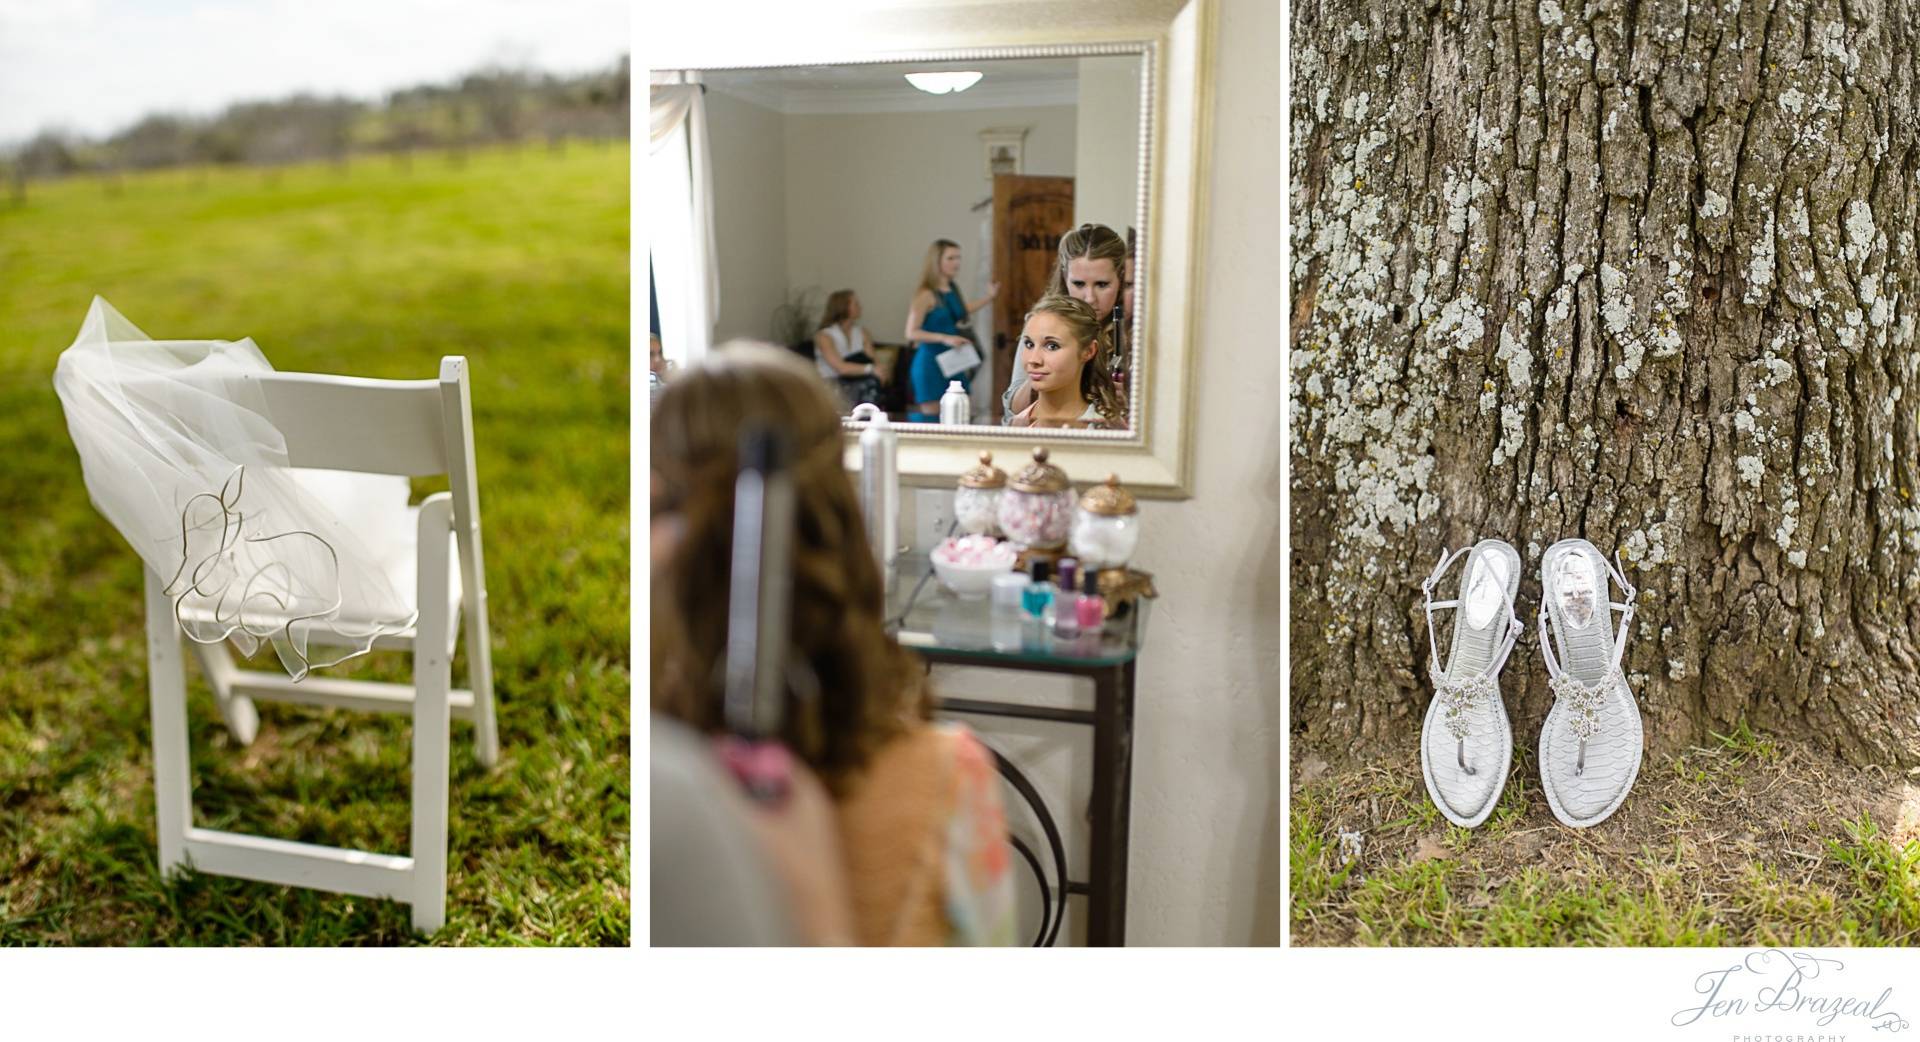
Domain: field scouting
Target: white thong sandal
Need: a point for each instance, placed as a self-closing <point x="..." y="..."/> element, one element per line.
<point x="1466" y="744"/>
<point x="1591" y="744"/>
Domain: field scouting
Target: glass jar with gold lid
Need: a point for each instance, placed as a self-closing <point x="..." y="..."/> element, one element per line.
<point x="976" y="503"/>
<point x="1106" y="526"/>
<point x="1036" y="510"/>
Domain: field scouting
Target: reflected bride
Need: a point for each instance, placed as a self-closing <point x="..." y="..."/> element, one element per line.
<point x="1062" y="350"/>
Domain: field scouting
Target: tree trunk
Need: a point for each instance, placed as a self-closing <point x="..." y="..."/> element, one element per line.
<point x="1642" y="272"/>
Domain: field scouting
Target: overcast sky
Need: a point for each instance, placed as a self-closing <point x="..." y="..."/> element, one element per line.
<point x="95" y="66"/>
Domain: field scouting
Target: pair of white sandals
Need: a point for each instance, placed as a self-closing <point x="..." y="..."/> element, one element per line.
<point x="1591" y="744"/>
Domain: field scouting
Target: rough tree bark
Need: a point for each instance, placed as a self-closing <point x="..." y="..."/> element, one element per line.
<point x="1638" y="271"/>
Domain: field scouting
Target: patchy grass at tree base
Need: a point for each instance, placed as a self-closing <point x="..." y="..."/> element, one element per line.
<point x="517" y="260"/>
<point x="1750" y="842"/>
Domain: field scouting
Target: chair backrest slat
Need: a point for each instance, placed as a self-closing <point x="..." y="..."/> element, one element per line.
<point x="456" y="405"/>
<point x="371" y="426"/>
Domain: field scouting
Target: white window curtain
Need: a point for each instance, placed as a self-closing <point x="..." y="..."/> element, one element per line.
<point x="680" y="217"/>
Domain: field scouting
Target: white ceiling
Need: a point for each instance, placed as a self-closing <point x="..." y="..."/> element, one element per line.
<point x="837" y="89"/>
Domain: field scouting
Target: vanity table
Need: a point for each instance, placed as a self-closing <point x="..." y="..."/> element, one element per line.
<point x="928" y="619"/>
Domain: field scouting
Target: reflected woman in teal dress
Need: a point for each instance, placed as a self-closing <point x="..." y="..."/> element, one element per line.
<point x="937" y="322"/>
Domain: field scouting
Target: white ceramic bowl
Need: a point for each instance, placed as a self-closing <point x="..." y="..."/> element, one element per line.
<point x="971" y="581"/>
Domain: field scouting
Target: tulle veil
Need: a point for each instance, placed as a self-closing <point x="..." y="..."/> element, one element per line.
<point x="181" y="455"/>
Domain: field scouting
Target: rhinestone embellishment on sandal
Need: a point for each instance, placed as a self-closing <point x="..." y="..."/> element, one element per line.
<point x="1457" y="697"/>
<point x="1583" y="702"/>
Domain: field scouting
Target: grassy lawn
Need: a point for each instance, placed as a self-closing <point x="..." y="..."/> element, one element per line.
<point x="517" y="260"/>
<point x="1748" y="842"/>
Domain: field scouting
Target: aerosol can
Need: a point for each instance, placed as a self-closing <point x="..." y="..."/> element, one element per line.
<point x="880" y="487"/>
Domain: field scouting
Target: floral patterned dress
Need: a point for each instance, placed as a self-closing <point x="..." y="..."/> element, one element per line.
<point x="979" y="879"/>
<point x="925" y="838"/>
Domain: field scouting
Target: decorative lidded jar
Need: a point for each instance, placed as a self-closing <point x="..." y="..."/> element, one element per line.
<point x="976" y="503"/>
<point x="1106" y="526"/>
<point x="1036" y="510"/>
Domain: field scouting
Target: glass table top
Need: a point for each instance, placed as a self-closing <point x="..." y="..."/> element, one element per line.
<point x="924" y="615"/>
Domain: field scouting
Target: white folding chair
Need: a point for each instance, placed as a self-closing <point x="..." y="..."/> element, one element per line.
<point x="413" y="428"/>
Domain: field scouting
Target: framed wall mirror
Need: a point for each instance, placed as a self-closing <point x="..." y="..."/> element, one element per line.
<point x="979" y="218"/>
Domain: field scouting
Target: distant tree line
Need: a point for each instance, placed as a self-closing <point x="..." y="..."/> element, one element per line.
<point x="490" y="106"/>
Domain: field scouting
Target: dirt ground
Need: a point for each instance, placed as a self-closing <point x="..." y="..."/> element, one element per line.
<point x="1752" y="841"/>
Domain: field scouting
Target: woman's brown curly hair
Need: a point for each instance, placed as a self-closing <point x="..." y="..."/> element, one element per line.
<point x="1094" y="242"/>
<point x="851" y="687"/>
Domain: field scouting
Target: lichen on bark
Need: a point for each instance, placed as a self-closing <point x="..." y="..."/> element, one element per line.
<point x="1640" y="272"/>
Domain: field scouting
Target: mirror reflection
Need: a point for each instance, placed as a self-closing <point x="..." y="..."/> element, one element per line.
<point x="953" y="242"/>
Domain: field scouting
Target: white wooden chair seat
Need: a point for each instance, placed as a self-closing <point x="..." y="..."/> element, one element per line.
<point x="358" y="618"/>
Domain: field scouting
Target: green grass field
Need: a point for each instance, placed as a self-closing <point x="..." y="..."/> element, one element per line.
<point x="517" y="260"/>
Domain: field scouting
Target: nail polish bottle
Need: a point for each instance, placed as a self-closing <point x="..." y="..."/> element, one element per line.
<point x="1066" y="616"/>
<point x="1091" y="611"/>
<point x="1037" y="596"/>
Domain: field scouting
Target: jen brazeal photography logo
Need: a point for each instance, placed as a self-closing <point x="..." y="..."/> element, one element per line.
<point x="1791" y="995"/>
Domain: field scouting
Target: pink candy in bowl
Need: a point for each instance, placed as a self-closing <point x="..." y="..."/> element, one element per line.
<point x="967" y="564"/>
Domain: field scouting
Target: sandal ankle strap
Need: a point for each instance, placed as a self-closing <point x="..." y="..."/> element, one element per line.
<point x="1514" y="627"/>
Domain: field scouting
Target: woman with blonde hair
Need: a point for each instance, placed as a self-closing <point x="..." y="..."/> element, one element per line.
<point x="1061" y="343"/>
<point x="921" y="826"/>
<point x="939" y="319"/>
<point x="1091" y="265"/>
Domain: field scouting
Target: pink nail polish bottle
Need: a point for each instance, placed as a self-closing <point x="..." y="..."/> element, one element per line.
<point x="1065" y="618"/>
<point x="1092" y="608"/>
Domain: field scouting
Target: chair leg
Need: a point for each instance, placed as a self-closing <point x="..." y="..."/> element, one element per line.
<point x="464" y="503"/>
<point x="243" y="720"/>
<point x="167" y="705"/>
<point x="431" y="744"/>
<point x="432" y="724"/>
<point x="486" y="734"/>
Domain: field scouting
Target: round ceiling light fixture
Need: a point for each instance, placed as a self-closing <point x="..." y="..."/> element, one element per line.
<point x="943" y="82"/>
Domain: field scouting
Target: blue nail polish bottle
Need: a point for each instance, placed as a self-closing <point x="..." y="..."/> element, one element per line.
<point x="1038" y="595"/>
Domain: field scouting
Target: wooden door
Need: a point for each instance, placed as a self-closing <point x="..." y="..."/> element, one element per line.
<point x="1030" y="214"/>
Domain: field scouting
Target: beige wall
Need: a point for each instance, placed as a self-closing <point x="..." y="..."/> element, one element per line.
<point x="866" y="195"/>
<point x="1209" y="711"/>
<point x="1107" y="143"/>
<point x="853" y="201"/>
<point x="750" y="214"/>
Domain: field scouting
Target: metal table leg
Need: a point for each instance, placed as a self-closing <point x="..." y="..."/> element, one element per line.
<point x="1112" y="802"/>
